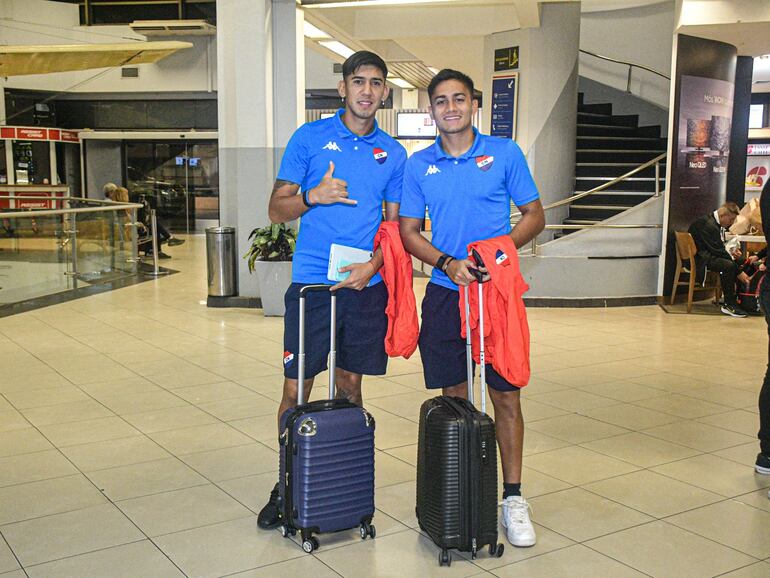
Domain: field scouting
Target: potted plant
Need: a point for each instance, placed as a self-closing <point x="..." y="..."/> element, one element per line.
<point x="269" y="256"/>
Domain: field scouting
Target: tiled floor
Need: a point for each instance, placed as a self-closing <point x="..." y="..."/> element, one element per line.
<point x="137" y="438"/>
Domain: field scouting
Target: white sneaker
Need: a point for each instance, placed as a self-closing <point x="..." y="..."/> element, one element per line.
<point x="518" y="527"/>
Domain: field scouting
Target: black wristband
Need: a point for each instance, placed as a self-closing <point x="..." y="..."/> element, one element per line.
<point x="443" y="261"/>
<point x="306" y="200"/>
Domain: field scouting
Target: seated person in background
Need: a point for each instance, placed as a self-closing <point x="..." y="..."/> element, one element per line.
<point x="709" y="234"/>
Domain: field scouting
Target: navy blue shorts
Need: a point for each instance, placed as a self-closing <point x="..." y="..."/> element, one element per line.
<point x="442" y="346"/>
<point x="361" y="329"/>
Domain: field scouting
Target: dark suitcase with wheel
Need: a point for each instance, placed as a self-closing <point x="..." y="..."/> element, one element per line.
<point x="326" y="456"/>
<point x="457" y="469"/>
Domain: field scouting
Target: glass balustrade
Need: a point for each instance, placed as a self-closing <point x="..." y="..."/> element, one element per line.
<point x="78" y="244"/>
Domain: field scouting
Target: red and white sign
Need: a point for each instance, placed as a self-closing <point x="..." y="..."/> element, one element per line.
<point x="758" y="149"/>
<point x="32" y="133"/>
<point x="5" y="202"/>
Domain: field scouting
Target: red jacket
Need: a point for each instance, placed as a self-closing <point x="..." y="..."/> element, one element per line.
<point x="506" y="331"/>
<point x="396" y="272"/>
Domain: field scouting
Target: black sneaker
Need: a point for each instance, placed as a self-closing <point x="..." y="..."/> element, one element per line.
<point x="763" y="465"/>
<point x="270" y="516"/>
<point x="174" y="241"/>
<point x="732" y="310"/>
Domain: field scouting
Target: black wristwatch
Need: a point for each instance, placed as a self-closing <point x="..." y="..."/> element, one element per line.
<point x="443" y="261"/>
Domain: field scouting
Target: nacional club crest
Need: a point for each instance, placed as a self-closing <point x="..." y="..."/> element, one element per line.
<point x="484" y="162"/>
<point x="288" y="356"/>
<point x="501" y="258"/>
<point x="380" y="155"/>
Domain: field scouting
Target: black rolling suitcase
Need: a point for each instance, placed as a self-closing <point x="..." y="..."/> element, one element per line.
<point x="326" y="456"/>
<point x="457" y="468"/>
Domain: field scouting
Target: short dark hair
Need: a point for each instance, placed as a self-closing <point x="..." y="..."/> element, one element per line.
<point x="363" y="58"/>
<point x="449" y="74"/>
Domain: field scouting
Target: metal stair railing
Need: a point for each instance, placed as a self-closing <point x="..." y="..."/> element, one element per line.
<point x="631" y="66"/>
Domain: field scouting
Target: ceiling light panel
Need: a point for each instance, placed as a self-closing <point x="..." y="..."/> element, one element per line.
<point x="312" y="32"/>
<point x="337" y="47"/>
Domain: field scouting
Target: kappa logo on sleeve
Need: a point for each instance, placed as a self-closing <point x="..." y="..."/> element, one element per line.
<point x="502" y="259"/>
<point x="484" y="162"/>
<point x="288" y="356"/>
<point x="380" y="155"/>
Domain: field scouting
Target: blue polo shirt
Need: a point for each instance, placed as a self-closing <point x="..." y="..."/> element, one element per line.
<point x="373" y="167"/>
<point x="468" y="197"/>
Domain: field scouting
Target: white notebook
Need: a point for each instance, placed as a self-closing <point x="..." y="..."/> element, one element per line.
<point x="342" y="256"/>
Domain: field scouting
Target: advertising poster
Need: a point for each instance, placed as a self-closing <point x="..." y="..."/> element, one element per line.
<point x="703" y="148"/>
<point x="757" y="169"/>
<point x="503" y="104"/>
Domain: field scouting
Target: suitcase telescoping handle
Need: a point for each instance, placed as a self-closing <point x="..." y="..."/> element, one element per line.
<point x="332" y="341"/>
<point x="468" y="345"/>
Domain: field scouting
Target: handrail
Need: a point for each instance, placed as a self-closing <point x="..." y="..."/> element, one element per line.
<point x="606" y="226"/>
<point x="629" y="64"/>
<point x="31" y="214"/>
<point x="606" y="185"/>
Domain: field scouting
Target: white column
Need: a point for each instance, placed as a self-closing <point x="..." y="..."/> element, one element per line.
<point x="259" y="106"/>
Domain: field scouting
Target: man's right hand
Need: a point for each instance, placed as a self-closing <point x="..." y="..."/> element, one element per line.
<point x="743" y="278"/>
<point x="458" y="271"/>
<point x="330" y="190"/>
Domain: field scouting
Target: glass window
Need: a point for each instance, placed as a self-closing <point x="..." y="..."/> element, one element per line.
<point x="756" y="115"/>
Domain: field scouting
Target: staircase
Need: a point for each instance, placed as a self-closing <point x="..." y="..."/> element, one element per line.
<point x="609" y="146"/>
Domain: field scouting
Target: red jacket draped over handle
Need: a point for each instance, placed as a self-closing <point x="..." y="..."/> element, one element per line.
<point x="506" y="330"/>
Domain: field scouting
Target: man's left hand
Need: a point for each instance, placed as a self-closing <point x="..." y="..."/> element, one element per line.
<point x="360" y="275"/>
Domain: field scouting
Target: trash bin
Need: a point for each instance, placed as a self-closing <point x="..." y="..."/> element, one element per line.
<point x="220" y="256"/>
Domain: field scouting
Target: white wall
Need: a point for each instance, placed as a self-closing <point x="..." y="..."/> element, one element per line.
<point x="319" y="71"/>
<point x="36" y="22"/>
<point x="640" y="35"/>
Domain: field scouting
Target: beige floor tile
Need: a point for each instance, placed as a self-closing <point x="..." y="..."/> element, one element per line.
<point x="62" y="535"/>
<point x="106" y="389"/>
<point x="415" y="553"/>
<point x="668" y="381"/>
<point x="66" y="412"/>
<point x="307" y="566"/>
<point x="22" y="400"/>
<point x="251" y="491"/>
<point x="390" y="470"/>
<point x="723" y="395"/>
<point x="568" y="563"/>
<point x="581" y="515"/>
<point x="113" y="453"/>
<point x="572" y="400"/>
<point x="535" y="483"/>
<point x="12" y="420"/>
<point x="186" y="378"/>
<point x="406" y="454"/>
<point x="224" y="390"/>
<point x="758" y="570"/>
<point x="535" y="410"/>
<point x="681" y="406"/>
<point x="623" y="390"/>
<point x="739" y="421"/>
<point x="183" y="509"/>
<point x="715" y="474"/>
<point x="169" y="419"/>
<point x="25" y="468"/>
<point x="136" y="480"/>
<point x="699" y="436"/>
<point x="136" y="559"/>
<point x="226" y="548"/>
<point x="640" y="449"/>
<point x="393" y="431"/>
<point x="263" y="428"/>
<point x="22" y="441"/>
<point x="661" y="549"/>
<point x="8" y="562"/>
<point x="252" y="405"/>
<point x="143" y="402"/>
<point x="731" y="523"/>
<point x="653" y="494"/>
<point x="547" y="541"/>
<point x="575" y="428"/>
<point x="405" y="405"/>
<point x="93" y="374"/>
<point x="200" y="438"/>
<point x="744" y="454"/>
<point x="578" y="465"/>
<point x="35" y="499"/>
<point x="758" y="499"/>
<point x="249" y="370"/>
<point x="630" y="416"/>
<point x="233" y="462"/>
<point x="92" y="430"/>
<point x="375" y="388"/>
<point x="398" y="502"/>
<point x="33" y="381"/>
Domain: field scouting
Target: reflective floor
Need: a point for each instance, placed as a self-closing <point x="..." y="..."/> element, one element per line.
<point x="137" y="438"/>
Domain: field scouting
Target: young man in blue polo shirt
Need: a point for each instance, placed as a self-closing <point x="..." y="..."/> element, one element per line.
<point x="467" y="181"/>
<point x="335" y="175"/>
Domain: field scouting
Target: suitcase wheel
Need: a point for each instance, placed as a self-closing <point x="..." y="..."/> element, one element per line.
<point x="284" y="531"/>
<point x="444" y="558"/>
<point x="310" y="544"/>
<point x="367" y="529"/>
<point x="496" y="550"/>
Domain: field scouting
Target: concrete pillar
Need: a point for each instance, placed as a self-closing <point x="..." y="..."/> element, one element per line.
<point x="546" y="124"/>
<point x="260" y="84"/>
